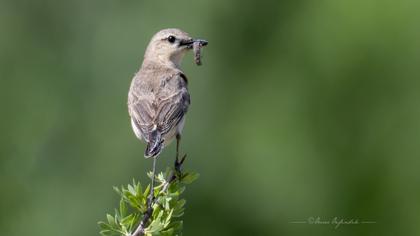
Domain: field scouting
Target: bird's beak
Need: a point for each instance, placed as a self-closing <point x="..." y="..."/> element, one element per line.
<point x="189" y="42"/>
<point x="202" y="42"/>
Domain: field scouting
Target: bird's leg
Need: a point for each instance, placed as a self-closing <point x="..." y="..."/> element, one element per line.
<point x="152" y="186"/>
<point x="178" y="140"/>
<point x="178" y="163"/>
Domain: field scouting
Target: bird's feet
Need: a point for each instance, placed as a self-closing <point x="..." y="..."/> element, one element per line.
<point x="178" y="164"/>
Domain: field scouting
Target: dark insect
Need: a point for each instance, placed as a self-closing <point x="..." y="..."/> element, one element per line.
<point x="197" y="52"/>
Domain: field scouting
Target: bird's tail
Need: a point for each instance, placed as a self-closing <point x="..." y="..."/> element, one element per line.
<point x="155" y="144"/>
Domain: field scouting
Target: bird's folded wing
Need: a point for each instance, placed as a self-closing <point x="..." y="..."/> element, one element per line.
<point x="142" y="114"/>
<point x="171" y="110"/>
<point x="165" y="111"/>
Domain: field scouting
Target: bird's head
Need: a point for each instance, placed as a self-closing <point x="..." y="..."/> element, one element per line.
<point x="170" y="46"/>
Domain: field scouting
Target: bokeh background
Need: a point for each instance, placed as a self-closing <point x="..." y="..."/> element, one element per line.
<point x="301" y="109"/>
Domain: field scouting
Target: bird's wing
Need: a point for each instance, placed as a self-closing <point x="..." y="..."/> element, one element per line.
<point x="171" y="110"/>
<point x="163" y="109"/>
<point x="142" y="114"/>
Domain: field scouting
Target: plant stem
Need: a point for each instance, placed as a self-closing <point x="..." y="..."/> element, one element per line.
<point x="152" y="200"/>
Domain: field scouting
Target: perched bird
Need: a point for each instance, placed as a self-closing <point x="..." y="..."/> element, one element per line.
<point x="158" y="98"/>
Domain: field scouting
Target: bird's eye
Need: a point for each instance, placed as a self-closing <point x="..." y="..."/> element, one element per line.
<point x="171" y="39"/>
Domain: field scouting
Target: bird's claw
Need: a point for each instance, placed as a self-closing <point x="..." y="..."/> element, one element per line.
<point x="178" y="164"/>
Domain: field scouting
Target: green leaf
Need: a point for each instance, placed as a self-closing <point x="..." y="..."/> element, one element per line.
<point x="157" y="224"/>
<point x="188" y="178"/>
<point x="132" y="190"/>
<point x="109" y="229"/>
<point x="150" y="174"/>
<point x="176" y="226"/>
<point x="110" y="219"/>
<point x="139" y="188"/>
<point x="133" y="205"/>
<point x="168" y="218"/>
<point x="147" y="191"/>
<point x="123" y="208"/>
<point x="116" y="189"/>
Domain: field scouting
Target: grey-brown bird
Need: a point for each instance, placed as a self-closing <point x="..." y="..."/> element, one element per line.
<point x="158" y="98"/>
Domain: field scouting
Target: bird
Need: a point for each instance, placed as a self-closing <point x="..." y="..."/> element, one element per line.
<point x="158" y="98"/>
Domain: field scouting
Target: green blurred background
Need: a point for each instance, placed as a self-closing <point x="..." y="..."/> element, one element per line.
<point x="301" y="109"/>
